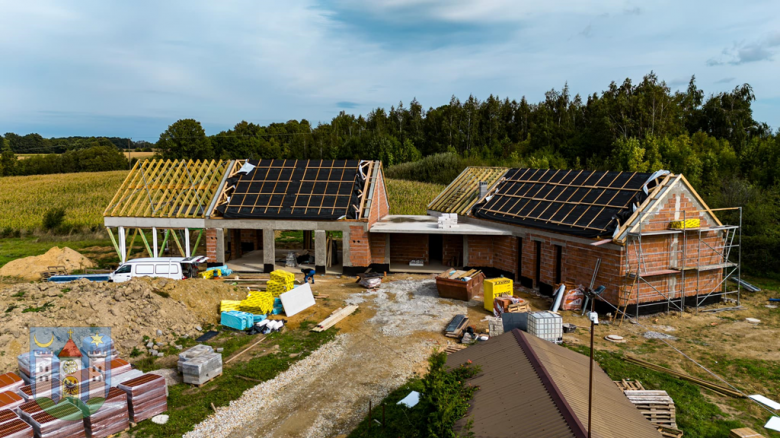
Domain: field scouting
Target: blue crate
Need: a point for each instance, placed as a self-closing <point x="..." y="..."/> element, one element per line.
<point x="259" y="318"/>
<point x="237" y="320"/>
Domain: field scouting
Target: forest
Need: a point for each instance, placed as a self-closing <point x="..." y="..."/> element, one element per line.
<point x="731" y="158"/>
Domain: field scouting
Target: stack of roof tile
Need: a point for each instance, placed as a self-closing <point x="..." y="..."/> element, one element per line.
<point x="10" y="400"/>
<point x="119" y="366"/>
<point x="15" y="428"/>
<point x="29" y="408"/>
<point x="146" y="396"/>
<point x="115" y="380"/>
<point x="109" y="417"/>
<point x="10" y="382"/>
<point x="62" y="421"/>
<point x="44" y="368"/>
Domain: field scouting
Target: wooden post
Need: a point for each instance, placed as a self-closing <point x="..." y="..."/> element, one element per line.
<point x="370" y="419"/>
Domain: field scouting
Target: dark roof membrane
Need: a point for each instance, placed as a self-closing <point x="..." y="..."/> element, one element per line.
<point x="295" y="189"/>
<point x="578" y="202"/>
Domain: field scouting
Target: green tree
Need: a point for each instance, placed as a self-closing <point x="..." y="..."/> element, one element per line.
<point x="7" y="161"/>
<point x="185" y="139"/>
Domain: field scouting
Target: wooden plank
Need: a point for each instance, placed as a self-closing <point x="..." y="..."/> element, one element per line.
<point x="334" y="318"/>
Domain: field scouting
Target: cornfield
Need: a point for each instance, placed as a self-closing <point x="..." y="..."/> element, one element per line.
<point x="84" y="196"/>
<point x="411" y="197"/>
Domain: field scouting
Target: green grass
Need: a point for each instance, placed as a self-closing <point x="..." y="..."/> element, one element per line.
<point x="18" y="247"/>
<point x="697" y="416"/>
<point x="189" y="405"/>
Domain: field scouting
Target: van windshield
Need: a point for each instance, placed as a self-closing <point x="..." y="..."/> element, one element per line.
<point x="124" y="269"/>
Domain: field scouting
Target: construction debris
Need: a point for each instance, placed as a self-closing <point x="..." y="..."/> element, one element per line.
<point x="297" y="300"/>
<point x="753" y="320"/>
<point x="657" y="335"/>
<point x="334" y="318"/>
<point x="722" y="309"/>
<point x="456" y="327"/>
<point x="453" y="348"/>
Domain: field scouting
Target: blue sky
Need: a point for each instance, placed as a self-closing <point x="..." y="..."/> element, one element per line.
<point x="132" y="68"/>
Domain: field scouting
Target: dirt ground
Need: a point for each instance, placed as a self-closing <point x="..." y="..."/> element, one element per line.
<point x="377" y="349"/>
<point x="389" y="339"/>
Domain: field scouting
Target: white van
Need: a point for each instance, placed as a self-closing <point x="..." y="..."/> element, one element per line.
<point x="177" y="268"/>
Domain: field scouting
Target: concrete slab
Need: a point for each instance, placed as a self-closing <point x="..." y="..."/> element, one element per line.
<point x="429" y="225"/>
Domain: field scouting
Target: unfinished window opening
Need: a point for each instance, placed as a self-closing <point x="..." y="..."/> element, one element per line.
<point x="436" y="245"/>
<point x="558" y="263"/>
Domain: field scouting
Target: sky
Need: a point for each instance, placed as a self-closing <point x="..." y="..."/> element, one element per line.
<point x="130" y="69"/>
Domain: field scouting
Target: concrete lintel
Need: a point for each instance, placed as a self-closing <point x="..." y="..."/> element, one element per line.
<point x="154" y="222"/>
<point x="263" y="224"/>
<point x="519" y="231"/>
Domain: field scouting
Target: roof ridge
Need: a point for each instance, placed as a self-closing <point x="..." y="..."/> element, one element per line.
<point x="556" y="395"/>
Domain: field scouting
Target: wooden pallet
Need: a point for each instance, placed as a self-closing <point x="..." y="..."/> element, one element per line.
<point x="201" y="385"/>
<point x="744" y="432"/>
<point x="334" y="318"/>
<point x="629" y="385"/>
<point x="656" y="406"/>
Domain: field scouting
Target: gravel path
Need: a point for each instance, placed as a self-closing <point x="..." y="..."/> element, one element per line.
<point x="327" y="393"/>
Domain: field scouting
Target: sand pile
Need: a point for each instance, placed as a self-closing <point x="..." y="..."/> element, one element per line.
<point x="133" y="310"/>
<point x="201" y="296"/>
<point x="30" y="268"/>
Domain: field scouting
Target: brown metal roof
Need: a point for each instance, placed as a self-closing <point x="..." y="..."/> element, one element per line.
<point x="533" y="388"/>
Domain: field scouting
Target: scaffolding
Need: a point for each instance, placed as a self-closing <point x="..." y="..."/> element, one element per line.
<point x="663" y="264"/>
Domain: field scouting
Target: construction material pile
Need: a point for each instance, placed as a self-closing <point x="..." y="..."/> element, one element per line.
<point x="31" y="268"/>
<point x="110" y="417"/>
<point x="133" y="309"/>
<point x="460" y="285"/>
<point x="200" y="364"/>
<point x="280" y="296"/>
<point x="147" y="396"/>
<point x="64" y="420"/>
<point x="280" y="282"/>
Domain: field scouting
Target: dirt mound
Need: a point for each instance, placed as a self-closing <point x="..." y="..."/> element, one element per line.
<point x="133" y="310"/>
<point x="30" y="268"/>
<point x="201" y="296"/>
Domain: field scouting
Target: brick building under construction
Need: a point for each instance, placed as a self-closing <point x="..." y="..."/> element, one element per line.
<point x="540" y="227"/>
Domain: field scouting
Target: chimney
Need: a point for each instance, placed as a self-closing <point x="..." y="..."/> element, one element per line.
<point x="483" y="187"/>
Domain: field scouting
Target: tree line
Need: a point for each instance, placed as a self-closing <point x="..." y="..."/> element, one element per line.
<point x="731" y="158"/>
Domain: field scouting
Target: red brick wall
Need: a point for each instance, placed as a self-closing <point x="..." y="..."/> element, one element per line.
<point x="505" y="253"/>
<point x="481" y="251"/>
<point x="452" y="248"/>
<point x="379" y="207"/>
<point x="211" y="244"/>
<point x="407" y="247"/>
<point x="378" y="244"/>
<point x="674" y="251"/>
<point x="359" y="247"/>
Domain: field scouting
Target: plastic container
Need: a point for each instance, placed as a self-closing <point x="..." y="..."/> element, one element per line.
<point x="494" y="287"/>
<point x="237" y="320"/>
<point x="546" y="325"/>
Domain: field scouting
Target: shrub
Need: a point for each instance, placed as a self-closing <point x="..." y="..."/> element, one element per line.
<point x="53" y="218"/>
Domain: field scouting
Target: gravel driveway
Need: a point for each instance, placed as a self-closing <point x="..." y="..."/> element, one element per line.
<point x="327" y="393"/>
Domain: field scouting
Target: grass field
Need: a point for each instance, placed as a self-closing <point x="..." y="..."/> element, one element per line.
<point x="84" y="196"/>
<point x="411" y="197"/>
